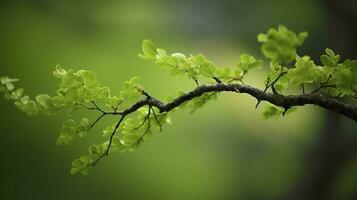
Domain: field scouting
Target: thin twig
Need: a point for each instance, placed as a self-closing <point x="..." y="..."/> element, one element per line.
<point x="113" y="133"/>
<point x="106" y="153"/>
<point x="267" y="87"/>
<point x="157" y="119"/>
<point x="196" y="81"/>
<point x="217" y="79"/>
<point x="97" y="120"/>
<point x="87" y="107"/>
<point x="142" y="123"/>
<point x="98" y="108"/>
<point x="148" y="127"/>
<point x="324" y="85"/>
<point x="143" y="92"/>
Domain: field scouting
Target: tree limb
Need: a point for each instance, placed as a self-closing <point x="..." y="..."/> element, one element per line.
<point x="288" y="101"/>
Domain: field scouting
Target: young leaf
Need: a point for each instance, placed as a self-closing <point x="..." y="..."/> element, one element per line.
<point x="279" y="45"/>
<point x="149" y="50"/>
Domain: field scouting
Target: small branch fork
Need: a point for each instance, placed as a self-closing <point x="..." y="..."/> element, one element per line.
<point x="324" y="85"/>
<point x="288" y="101"/>
<point x="268" y="85"/>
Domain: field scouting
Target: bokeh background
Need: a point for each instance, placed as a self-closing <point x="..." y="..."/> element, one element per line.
<point x="224" y="151"/>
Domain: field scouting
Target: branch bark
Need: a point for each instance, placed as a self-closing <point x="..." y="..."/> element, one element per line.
<point x="329" y="103"/>
<point x="288" y="101"/>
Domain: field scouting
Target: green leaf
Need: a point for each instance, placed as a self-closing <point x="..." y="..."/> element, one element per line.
<point x="59" y="73"/>
<point x="345" y="78"/>
<point x="305" y="71"/>
<point x="83" y="127"/>
<point x="262" y="37"/>
<point x="130" y="92"/>
<point x="28" y="106"/>
<point x="301" y="38"/>
<point x="272" y="111"/>
<point x="200" y="101"/>
<point x="326" y="61"/>
<point x="330" y="52"/>
<point x="108" y="131"/>
<point x="15" y="94"/>
<point x="44" y="100"/>
<point x="4" y="80"/>
<point x="279" y="45"/>
<point x="67" y="133"/>
<point x="149" y="49"/>
<point x="331" y="59"/>
<point x="179" y="56"/>
<point x="58" y="101"/>
<point x="179" y="64"/>
<point x="94" y="150"/>
<point x="248" y="62"/>
<point x="81" y="165"/>
<point x="7" y="83"/>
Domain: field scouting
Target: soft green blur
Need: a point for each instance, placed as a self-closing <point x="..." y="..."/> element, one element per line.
<point x="224" y="151"/>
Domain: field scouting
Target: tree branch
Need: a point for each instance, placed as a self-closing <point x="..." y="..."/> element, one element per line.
<point x="288" y="101"/>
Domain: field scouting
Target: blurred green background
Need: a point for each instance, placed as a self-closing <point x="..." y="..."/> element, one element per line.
<point x="224" y="151"/>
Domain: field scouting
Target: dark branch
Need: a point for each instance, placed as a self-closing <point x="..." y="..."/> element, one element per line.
<point x="97" y="120"/>
<point x="112" y="135"/>
<point x="286" y="102"/>
<point x="217" y="79"/>
<point x="106" y="153"/>
<point x="348" y="110"/>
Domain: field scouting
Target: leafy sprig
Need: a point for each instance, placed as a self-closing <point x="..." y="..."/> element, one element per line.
<point x="294" y="80"/>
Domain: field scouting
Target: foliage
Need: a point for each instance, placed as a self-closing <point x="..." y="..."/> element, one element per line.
<point x="280" y="45"/>
<point x="81" y="90"/>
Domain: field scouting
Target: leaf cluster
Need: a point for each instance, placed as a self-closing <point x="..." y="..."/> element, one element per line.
<point x="287" y="73"/>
